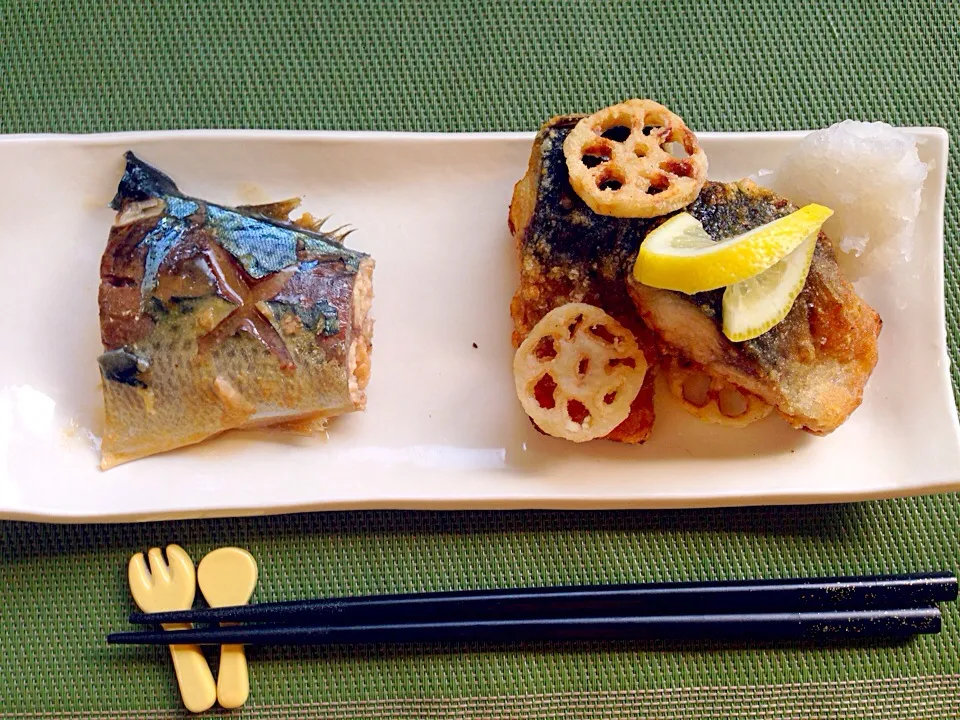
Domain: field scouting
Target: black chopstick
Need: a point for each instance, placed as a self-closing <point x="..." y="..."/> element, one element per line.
<point x="685" y="598"/>
<point x="816" y="626"/>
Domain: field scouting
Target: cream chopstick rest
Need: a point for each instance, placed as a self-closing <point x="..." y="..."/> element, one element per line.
<point x="172" y="587"/>
<point x="228" y="577"/>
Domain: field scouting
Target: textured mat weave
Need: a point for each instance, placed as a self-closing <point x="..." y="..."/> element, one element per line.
<point x="90" y="66"/>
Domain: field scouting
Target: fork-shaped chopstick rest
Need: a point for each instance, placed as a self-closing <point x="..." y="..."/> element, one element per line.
<point x="172" y="587"/>
<point x="227" y="577"/>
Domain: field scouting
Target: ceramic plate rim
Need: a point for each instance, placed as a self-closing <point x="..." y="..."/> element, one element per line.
<point x="532" y="501"/>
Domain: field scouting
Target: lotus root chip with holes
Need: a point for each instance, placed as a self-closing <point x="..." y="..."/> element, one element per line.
<point x="620" y="161"/>
<point x="577" y="372"/>
<point x="711" y="399"/>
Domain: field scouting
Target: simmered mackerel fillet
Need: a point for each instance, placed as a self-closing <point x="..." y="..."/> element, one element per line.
<point x="569" y="254"/>
<point x="215" y="318"/>
<point x="812" y="367"/>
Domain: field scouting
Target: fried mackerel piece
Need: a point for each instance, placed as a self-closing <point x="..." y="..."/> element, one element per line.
<point x="215" y="318"/>
<point x="569" y="254"/>
<point x="813" y="366"/>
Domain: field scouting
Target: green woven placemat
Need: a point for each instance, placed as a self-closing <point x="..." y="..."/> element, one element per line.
<point x="89" y="66"/>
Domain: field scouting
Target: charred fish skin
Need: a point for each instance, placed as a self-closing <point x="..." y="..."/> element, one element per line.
<point x="215" y="317"/>
<point x="813" y="366"/>
<point x="569" y="243"/>
<point x="570" y="254"/>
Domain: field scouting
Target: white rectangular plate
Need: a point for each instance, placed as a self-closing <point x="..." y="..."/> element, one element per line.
<point x="443" y="428"/>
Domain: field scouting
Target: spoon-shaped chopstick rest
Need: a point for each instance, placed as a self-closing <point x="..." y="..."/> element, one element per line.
<point x="172" y="587"/>
<point x="228" y="576"/>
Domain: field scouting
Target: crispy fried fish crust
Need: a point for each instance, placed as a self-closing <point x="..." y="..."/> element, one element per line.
<point x="570" y="254"/>
<point x="812" y="366"/>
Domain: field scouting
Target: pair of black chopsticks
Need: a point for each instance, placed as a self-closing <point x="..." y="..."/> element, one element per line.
<point x="828" y="609"/>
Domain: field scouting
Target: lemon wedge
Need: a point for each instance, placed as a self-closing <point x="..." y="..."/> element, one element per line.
<point x="753" y="306"/>
<point x="680" y="255"/>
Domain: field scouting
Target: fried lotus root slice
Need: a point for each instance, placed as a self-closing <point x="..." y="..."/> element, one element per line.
<point x="710" y="398"/>
<point x="621" y="161"/>
<point x="577" y="372"/>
